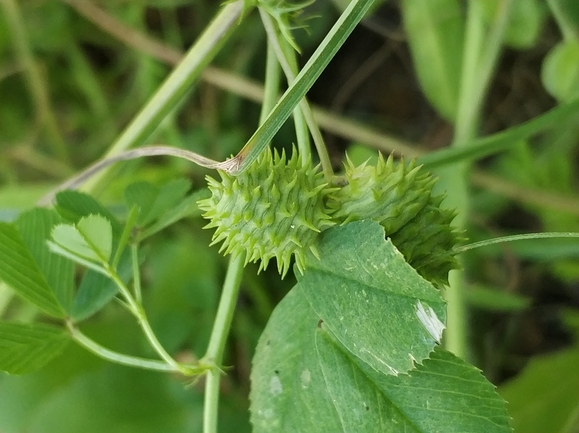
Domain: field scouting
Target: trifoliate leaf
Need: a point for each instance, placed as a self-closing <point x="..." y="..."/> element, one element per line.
<point x="20" y="271"/>
<point x="89" y="240"/>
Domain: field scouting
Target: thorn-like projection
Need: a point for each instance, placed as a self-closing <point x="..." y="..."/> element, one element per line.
<point x="399" y="197"/>
<point x="275" y="209"/>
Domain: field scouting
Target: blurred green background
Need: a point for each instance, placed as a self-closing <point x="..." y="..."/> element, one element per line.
<point x="73" y="74"/>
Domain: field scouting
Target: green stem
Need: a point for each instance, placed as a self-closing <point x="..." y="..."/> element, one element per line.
<point x="480" y="55"/>
<point x="177" y="83"/>
<point x="219" y="333"/>
<point x="513" y="238"/>
<point x="270" y="92"/>
<point x="305" y="79"/>
<point x="35" y="82"/>
<point x="136" y="273"/>
<point x="303" y="112"/>
<point x="118" y="358"/>
<point x="139" y="313"/>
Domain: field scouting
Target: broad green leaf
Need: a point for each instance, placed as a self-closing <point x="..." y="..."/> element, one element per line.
<point x="25" y="348"/>
<point x="371" y="300"/>
<point x="501" y="141"/>
<point x="435" y="34"/>
<point x="525" y="21"/>
<point x="288" y="388"/>
<point x="96" y="290"/>
<point x="91" y="239"/>
<point x="560" y="73"/>
<point x="153" y="202"/>
<point x="545" y="396"/>
<point x="303" y="380"/>
<point x="20" y="271"/>
<point x="74" y="205"/>
<point x="35" y="227"/>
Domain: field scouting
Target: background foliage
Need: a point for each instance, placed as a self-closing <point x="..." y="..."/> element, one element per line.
<point x="69" y="85"/>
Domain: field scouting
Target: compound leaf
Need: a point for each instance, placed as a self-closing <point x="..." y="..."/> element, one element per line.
<point x="25" y="348"/>
<point x="304" y="380"/>
<point x="20" y="271"/>
<point x="90" y="239"/>
<point x="35" y="226"/>
<point x="152" y="201"/>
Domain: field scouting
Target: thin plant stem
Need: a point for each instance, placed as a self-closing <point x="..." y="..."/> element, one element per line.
<point x="136" y="273"/>
<point x="313" y="68"/>
<point x="176" y="84"/>
<point x="216" y="347"/>
<point x="270" y="93"/>
<point x="513" y="238"/>
<point x="287" y="59"/>
<point x="357" y="131"/>
<point x="480" y="54"/>
<point x="232" y="282"/>
<point x="118" y="358"/>
<point x="137" y="310"/>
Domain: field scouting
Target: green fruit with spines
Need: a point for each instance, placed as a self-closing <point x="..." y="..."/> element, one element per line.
<point x="399" y="197"/>
<point x="274" y="209"/>
<point x="427" y="241"/>
<point x="390" y="193"/>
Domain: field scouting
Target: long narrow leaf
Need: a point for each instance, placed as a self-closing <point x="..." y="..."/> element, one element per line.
<point x="304" y="81"/>
<point x="501" y="141"/>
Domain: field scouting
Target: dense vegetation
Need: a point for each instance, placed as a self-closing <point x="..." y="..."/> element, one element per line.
<point x="483" y="93"/>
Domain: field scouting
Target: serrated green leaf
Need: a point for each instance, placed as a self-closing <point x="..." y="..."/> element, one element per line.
<point x="20" y="271"/>
<point x="74" y="205"/>
<point x="303" y="380"/>
<point x="97" y="232"/>
<point x="374" y="302"/>
<point x="91" y="239"/>
<point x="435" y="34"/>
<point x="25" y="348"/>
<point x="153" y="202"/>
<point x="545" y="396"/>
<point x="35" y="227"/>
<point x="560" y="72"/>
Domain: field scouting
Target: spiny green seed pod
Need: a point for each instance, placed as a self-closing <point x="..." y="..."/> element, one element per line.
<point x="427" y="241"/>
<point x="390" y="193"/>
<point x="273" y="209"/>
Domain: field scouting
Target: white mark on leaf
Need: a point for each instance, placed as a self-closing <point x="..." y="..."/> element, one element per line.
<point x="306" y="378"/>
<point x="275" y="385"/>
<point x="430" y="321"/>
